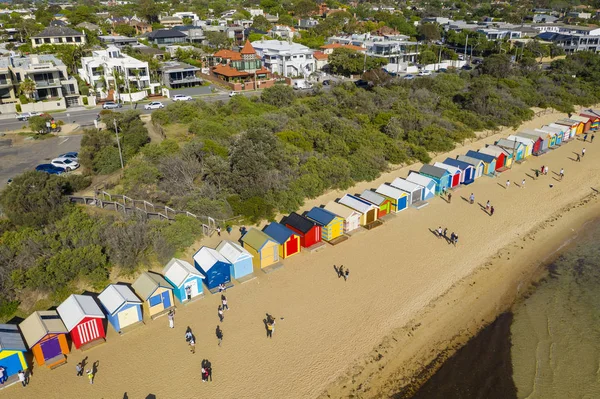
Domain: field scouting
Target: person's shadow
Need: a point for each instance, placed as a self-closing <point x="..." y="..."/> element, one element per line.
<point x="95" y="367"/>
<point x="84" y="362"/>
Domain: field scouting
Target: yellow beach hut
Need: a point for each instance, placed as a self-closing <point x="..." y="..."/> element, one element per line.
<point x="332" y="224"/>
<point x="156" y="292"/>
<point x="264" y="249"/>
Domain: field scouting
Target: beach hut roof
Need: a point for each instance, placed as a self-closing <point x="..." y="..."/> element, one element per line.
<point x="593" y="112"/>
<point x="116" y="295"/>
<point x="510" y="144"/>
<point x="148" y="282"/>
<point x="406" y="185"/>
<point x="321" y="216"/>
<point x="494" y="151"/>
<point x="567" y="122"/>
<point x="356" y="203"/>
<point x="390" y="191"/>
<point x="298" y="222"/>
<point x="373" y="197"/>
<point x="522" y="140"/>
<point x="178" y="270"/>
<point x="487" y="158"/>
<point x="10" y="338"/>
<point x="76" y="308"/>
<point x="419" y="179"/>
<point x="546" y="132"/>
<point x="556" y="129"/>
<point x="451" y="169"/>
<point x="339" y="209"/>
<point x="532" y="137"/>
<point x="538" y="133"/>
<point x="278" y="232"/>
<point x="434" y="171"/>
<point x="232" y="251"/>
<point x="549" y="129"/>
<point x="207" y="257"/>
<point x="459" y="164"/>
<point x="469" y="160"/>
<point x="41" y="323"/>
<point x="580" y="118"/>
<point x="256" y="238"/>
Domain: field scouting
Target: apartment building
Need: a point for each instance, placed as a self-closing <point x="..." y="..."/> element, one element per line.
<point x="283" y="58"/>
<point x="396" y="48"/>
<point x="7" y="88"/>
<point x="58" y="35"/>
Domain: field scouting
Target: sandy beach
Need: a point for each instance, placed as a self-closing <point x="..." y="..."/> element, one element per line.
<point x="410" y="298"/>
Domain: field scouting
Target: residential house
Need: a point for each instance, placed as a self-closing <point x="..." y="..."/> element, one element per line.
<point x="283" y="32"/>
<point x="395" y="48"/>
<point x="328" y="48"/>
<point x="195" y="34"/>
<point x="321" y="60"/>
<point x="569" y="29"/>
<point x="99" y="71"/>
<point x="254" y="12"/>
<point x="579" y="15"/>
<point x="118" y="40"/>
<point x="58" y="35"/>
<point x="165" y="37"/>
<point x="235" y="33"/>
<point x="7" y="85"/>
<point x="307" y="23"/>
<point x="51" y="78"/>
<point x="141" y="27"/>
<point x="186" y="14"/>
<point x="240" y="67"/>
<point x="286" y="59"/>
<point x="272" y="18"/>
<point x="89" y="26"/>
<point x="544" y="18"/>
<point x="176" y="75"/>
<point x="169" y="22"/>
<point x="572" y="43"/>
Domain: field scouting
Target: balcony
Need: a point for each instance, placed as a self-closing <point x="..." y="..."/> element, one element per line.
<point x="185" y="79"/>
<point x="5" y="83"/>
<point x="47" y="83"/>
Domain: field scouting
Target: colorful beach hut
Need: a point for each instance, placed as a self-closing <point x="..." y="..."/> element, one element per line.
<point x="122" y="307"/>
<point x="84" y="320"/>
<point x="156" y="292"/>
<point x="239" y="258"/>
<point x="213" y="266"/>
<point x="383" y="203"/>
<point x="46" y="336"/>
<point x="543" y="133"/>
<point x="548" y="139"/>
<point x="513" y="147"/>
<point x="264" y="249"/>
<point x="527" y="144"/>
<point x="491" y="164"/>
<point x="467" y="170"/>
<point x="288" y="240"/>
<point x="12" y="352"/>
<point x="455" y="173"/>
<point x="440" y="175"/>
<point x="538" y="143"/>
<point x="413" y="190"/>
<point x="350" y="216"/>
<point x="560" y="133"/>
<point x="399" y="199"/>
<point x="503" y="157"/>
<point x="572" y="125"/>
<point x="308" y="230"/>
<point x="185" y="279"/>
<point x="584" y="123"/>
<point x="428" y="184"/>
<point x="367" y="210"/>
<point x="478" y="165"/>
<point x="332" y="225"/>
<point x="594" y="118"/>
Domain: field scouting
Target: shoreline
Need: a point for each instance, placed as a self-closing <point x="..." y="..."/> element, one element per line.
<point x="407" y="368"/>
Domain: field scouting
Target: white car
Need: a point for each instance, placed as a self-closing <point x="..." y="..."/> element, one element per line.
<point x="234" y="93"/>
<point x="181" y="97"/>
<point x="154" y="105"/>
<point x="66" y="163"/>
<point x="26" y="115"/>
<point x="425" y="72"/>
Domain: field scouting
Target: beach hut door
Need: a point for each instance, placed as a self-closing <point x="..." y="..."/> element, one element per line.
<point x="51" y="348"/>
<point x="193" y="286"/>
<point x="128" y="317"/>
<point x="275" y="253"/>
<point x="166" y="300"/>
<point x="371" y="216"/>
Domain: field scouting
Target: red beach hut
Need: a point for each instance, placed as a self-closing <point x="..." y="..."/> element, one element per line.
<point x="309" y="231"/>
<point x="83" y="318"/>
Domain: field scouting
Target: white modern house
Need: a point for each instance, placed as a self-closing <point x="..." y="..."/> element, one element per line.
<point x="100" y="70"/>
<point x="286" y="59"/>
<point x="395" y="48"/>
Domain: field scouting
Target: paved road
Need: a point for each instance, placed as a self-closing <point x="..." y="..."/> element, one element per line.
<point x="18" y="159"/>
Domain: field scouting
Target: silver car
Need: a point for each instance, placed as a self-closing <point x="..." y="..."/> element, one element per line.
<point x="111" y="105"/>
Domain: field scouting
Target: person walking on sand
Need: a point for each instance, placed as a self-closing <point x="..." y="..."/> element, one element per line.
<point x="79" y="369"/>
<point x="270" y="328"/>
<point x="204" y="373"/>
<point x="219" y="334"/>
<point x="449" y="197"/>
<point x="562" y="173"/>
<point x="507" y="184"/>
<point x="537" y="173"/>
<point x="523" y="183"/>
<point x="22" y="378"/>
<point x="487" y="206"/>
<point x="220" y="311"/>
<point x="492" y="211"/>
<point x="90" y="375"/>
<point x="188" y="335"/>
<point x="439" y="232"/>
<point x="585" y="137"/>
<point x="455" y="239"/>
<point x="219" y="231"/>
<point x="228" y="229"/>
<point x="193" y="345"/>
<point x="346" y="274"/>
<point x="171" y="317"/>
<point x="224" y="301"/>
<point x="472" y="198"/>
<point x="583" y="152"/>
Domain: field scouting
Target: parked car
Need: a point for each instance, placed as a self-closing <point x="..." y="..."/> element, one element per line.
<point x="26" y="115"/>
<point x="9" y="182"/>
<point x="111" y="105"/>
<point x="327" y="82"/>
<point x="233" y="93"/>
<point x="154" y="105"/>
<point x="409" y="77"/>
<point x="442" y="70"/>
<point x="49" y="168"/>
<point x="425" y="72"/>
<point x="65" y="163"/>
<point x="181" y="97"/>
<point x="466" y="67"/>
<point x="71" y="155"/>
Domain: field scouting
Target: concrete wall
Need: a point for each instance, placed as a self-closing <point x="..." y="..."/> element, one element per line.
<point x="44" y="106"/>
<point x="8" y="108"/>
<point x="135" y="97"/>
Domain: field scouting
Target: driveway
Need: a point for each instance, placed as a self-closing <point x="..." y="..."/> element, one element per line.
<point x="18" y="159"/>
<point x="193" y="91"/>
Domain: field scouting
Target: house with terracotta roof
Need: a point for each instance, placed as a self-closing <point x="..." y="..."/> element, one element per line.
<point x="243" y="70"/>
<point x="328" y="48"/>
<point x="321" y="60"/>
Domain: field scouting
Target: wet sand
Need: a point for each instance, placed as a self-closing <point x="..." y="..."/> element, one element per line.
<point x="410" y="298"/>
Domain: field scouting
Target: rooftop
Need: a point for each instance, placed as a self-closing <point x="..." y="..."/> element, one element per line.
<point x="58" y="31"/>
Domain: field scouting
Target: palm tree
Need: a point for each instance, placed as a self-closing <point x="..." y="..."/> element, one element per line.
<point x="118" y="77"/>
<point x="27" y="87"/>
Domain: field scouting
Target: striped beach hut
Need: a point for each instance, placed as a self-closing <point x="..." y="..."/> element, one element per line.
<point x="585" y="123"/>
<point x="478" y="165"/>
<point x="12" y="352"/>
<point x="288" y="240"/>
<point x="440" y="175"/>
<point x="46" y="336"/>
<point x="350" y="216"/>
<point x="455" y="173"/>
<point x="308" y="230"/>
<point x="238" y="257"/>
<point x="332" y="225"/>
<point x="527" y="144"/>
<point x="538" y="143"/>
<point x="213" y="266"/>
<point x="429" y="185"/>
<point x="84" y="320"/>
<point x="594" y="118"/>
<point x="185" y="278"/>
<point x="413" y="190"/>
<point x="264" y="249"/>
<point x="398" y="198"/>
<point x="367" y="210"/>
<point x="555" y="130"/>
<point x="467" y="171"/>
<point x="513" y="147"/>
<point x="549" y="140"/>
<point x="572" y="125"/>
<point x="156" y="292"/>
<point x="490" y="161"/>
<point x="552" y="137"/>
<point x="383" y="203"/>
<point x="122" y="307"/>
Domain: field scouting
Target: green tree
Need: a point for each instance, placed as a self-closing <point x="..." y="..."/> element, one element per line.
<point x="218" y="39"/>
<point x="427" y="57"/>
<point x="260" y="22"/>
<point x="303" y="8"/>
<point x="125" y="30"/>
<point x="27" y="87"/>
<point x="497" y="65"/>
<point x="429" y="32"/>
<point x="278" y="95"/>
<point x="347" y="62"/>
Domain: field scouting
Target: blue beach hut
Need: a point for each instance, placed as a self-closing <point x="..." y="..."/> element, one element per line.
<point x="121" y="306"/>
<point x="428" y="184"/>
<point x="12" y="353"/>
<point x="439" y="175"/>
<point x="215" y="268"/>
<point x="185" y="278"/>
<point x="240" y="258"/>
<point x="399" y="198"/>
<point x="468" y="170"/>
<point x="489" y="161"/>
<point x="332" y="225"/>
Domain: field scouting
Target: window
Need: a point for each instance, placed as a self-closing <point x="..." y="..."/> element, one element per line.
<point x="78" y="39"/>
<point x="38" y="41"/>
<point x="47" y="40"/>
<point x="69" y="39"/>
<point x="155" y="300"/>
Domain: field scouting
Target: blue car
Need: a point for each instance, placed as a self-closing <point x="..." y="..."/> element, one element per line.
<point x="49" y="168"/>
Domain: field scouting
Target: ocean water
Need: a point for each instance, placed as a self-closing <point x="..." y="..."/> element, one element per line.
<point x="547" y="347"/>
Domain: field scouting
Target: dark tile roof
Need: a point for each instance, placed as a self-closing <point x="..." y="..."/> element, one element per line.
<point x="478" y="155"/>
<point x="165" y="33"/>
<point x="298" y="222"/>
<point x="433" y="171"/>
<point x="58" y="31"/>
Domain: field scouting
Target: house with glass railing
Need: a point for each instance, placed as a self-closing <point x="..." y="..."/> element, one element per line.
<point x="395" y="48"/>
